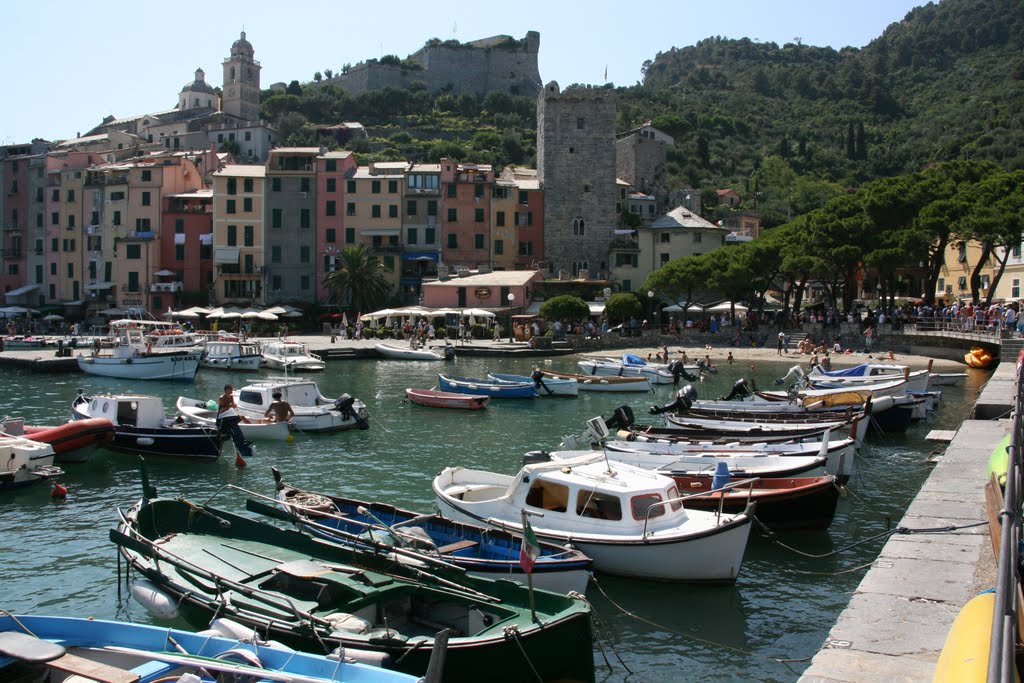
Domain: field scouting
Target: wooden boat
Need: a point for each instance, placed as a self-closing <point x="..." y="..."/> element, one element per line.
<point x="34" y="647"/>
<point x="630" y="365"/>
<point x="314" y="412"/>
<point x="978" y="357"/>
<point x="543" y="386"/>
<point x="630" y="521"/>
<point x="25" y="462"/>
<point x="396" y="352"/>
<point x="782" y="502"/>
<point x="446" y="399"/>
<point x="484" y="552"/>
<point x="291" y="357"/>
<point x="141" y="426"/>
<point x="602" y="383"/>
<point x="234" y="355"/>
<point x="74" y="441"/>
<point x="483" y="387"/>
<point x="320" y="596"/>
<point x="261" y="430"/>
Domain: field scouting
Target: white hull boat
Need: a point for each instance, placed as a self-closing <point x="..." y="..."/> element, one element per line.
<point x="291" y="357"/>
<point x="947" y="379"/>
<point x="394" y="352"/>
<point x="232" y="355"/>
<point x="631" y="522"/>
<point x="314" y="412"/>
<point x="25" y="462"/>
<point x="543" y="386"/>
<point x="180" y="367"/>
<point x="603" y="383"/>
<point x="201" y="412"/>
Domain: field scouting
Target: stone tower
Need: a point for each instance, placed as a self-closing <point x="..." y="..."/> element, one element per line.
<point x="576" y="168"/>
<point x="241" y="95"/>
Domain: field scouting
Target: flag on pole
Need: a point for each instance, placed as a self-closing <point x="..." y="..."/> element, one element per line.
<point x="606" y="72"/>
<point x="530" y="550"/>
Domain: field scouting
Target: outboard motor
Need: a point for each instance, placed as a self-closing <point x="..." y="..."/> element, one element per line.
<point x="621" y="418"/>
<point x="739" y="390"/>
<point x="449" y="352"/>
<point x="683" y="400"/>
<point x="721" y="475"/>
<point x="534" y="457"/>
<point x="678" y="369"/>
<point x="537" y="376"/>
<point x="343" y="404"/>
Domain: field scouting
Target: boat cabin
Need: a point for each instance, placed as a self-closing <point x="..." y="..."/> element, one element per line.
<point x="259" y="395"/>
<point x="286" y="349"/>
<point x="129" y="410"/>
<point x="227" y="349"/>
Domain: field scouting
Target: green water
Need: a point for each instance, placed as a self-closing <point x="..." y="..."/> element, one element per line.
<point x="56" y="558"/>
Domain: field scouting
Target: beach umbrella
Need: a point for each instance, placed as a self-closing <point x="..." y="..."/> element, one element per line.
<point x="14" y="310"/>
<point x="185" y="314"/>
<point x="112" y="311"/>
<point x="277" y="310"/>
<point x="164" y="273"/>
<point x="249" y="314"/>
<point x="53" y="317"/>
<point x="215" y="313"/>
<point x="295" y="313"/>
<point x="231" y="315"/>
<point x="266" y="315"/>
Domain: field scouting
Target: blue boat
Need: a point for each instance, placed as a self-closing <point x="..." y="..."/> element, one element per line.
<point x="488" y="553"/>
<point x="31" y="647"/>
<point x="486" y="387"/>
<point x="543" y="386"/>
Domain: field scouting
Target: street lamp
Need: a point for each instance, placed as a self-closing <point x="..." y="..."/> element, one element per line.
<point x="511" y="329"/>
<point x="650" y="300"/>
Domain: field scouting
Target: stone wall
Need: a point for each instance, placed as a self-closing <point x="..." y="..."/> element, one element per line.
<point x="641" y="162"/>
<point x="576" y="168"/>
<point x="460" y="69"/>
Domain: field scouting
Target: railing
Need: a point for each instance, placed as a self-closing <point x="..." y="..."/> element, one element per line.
<point x="1002" y="650"/>
<point x="963" y="328"/>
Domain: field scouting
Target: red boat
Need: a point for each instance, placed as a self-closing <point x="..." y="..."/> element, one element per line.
<point x="446" y="399"/>
<point x="74" y="441"/>
<point x="782" y="503"/>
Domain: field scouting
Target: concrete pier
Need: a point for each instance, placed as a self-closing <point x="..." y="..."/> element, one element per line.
<point x="897" y="620"/>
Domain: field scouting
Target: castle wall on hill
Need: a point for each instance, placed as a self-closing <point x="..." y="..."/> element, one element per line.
<point x="476" y="68"/>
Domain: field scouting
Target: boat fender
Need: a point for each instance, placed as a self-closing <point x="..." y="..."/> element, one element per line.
<point x="381" y="660"/>
<point x="622" y="417"/>
<point x="721" y="476"/>
<point x="349" y="623"/>
<point x="534" y="457"/>
<point x="144" y="441"/>
<point x="157" y="602"/>
<point x="231" y="629"/>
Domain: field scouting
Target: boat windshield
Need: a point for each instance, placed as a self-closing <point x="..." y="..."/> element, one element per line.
<point x="642" y="503"/>
<point x="598" y="505"/>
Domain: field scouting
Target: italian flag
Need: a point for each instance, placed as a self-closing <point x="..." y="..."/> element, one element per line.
<point x="530" y="550"/>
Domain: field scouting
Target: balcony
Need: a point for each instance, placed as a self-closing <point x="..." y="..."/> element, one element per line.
<point x="131" y="288"/>
<point x="166" y="287"/>
<point x="387" y="248"/>
<point x="625" y="243"/>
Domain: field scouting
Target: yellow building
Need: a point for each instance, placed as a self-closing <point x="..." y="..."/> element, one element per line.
<point x="238" y="235"/>
<point x="373" y="206"/>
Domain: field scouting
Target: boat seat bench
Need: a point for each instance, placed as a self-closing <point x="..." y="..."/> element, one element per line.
<point x="458" y="545"/>
<point x="96" y="671"/>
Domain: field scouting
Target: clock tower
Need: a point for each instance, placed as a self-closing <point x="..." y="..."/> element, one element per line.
<point x="241" y="95"/>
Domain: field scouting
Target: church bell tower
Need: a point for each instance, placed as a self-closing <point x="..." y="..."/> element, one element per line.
<point x="241" y="96"/>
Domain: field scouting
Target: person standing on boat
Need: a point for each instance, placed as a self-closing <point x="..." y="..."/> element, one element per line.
<point x="228" y="420"/>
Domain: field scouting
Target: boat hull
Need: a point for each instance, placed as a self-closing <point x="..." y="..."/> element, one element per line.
<point x="446" y="399"/>
<point x="465" y="385"/>
<point x="601" y="383"/>
<point x="406" y="353"/>
<point x="171" y="367"/>
<point x="75" y="441"/>
<point x="546" y="386"/>
<point x="233" y="363"/>
<point x="782" y="503"/>
<point x="252" y="431"/>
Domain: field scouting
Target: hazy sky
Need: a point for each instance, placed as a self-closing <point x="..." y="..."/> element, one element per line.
<point x="69" y="64"/>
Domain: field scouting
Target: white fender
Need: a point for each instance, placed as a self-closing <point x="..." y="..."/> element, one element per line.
<point x="144" y="441"/>
<point x="157" y="602"/>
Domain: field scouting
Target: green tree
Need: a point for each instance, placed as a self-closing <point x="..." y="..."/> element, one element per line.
<point x="622" y="306"/>
<point x="567" y="307"/>
<point x="358" y="281"/>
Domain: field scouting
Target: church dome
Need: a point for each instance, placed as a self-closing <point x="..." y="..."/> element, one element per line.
<point x="199" y="84"/>
<point x="241" y="44"/>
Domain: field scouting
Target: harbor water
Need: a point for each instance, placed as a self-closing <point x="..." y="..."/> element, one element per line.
<point x="57" y="558"/>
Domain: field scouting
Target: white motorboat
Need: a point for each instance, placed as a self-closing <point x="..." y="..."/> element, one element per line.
<point x="134" y="357"/>
<point x="603" y="383"/>
<point x="630" y="521"/>
<point x="25" y="462"/>
<point x="543" y="386"/>
<point x="222" y="354"/>
<point x="396" y="352"/>
<point x="947" y="379"/>
<point x="291" y="357"/>
<point x="631" y="365"/>
<point x="314" y="412"/>
<point x="877" y="371"/>
<point x="142" y="427"/>
<point x="159" y="335"/>
<point x="205" y="412"/>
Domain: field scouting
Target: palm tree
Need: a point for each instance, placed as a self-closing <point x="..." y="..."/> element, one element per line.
<point x="358" y="280"/>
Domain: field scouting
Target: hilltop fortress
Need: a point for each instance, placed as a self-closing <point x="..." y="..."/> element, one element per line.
<point x="478" y="67"/>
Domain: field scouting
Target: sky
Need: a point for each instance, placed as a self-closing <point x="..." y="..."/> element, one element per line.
<point x="68" y="64"/>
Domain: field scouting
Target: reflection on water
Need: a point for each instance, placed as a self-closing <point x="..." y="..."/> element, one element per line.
<point x="57" y="558"/>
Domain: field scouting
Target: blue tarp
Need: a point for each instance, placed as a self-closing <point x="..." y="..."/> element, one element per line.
<point x="856" y="371"/>
<point x="632" y="359"/>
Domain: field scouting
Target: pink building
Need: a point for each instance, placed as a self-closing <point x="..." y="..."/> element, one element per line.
<point x="331" y="169"/>
<point x="466" y="213"/>
<point x="186" y="251"/>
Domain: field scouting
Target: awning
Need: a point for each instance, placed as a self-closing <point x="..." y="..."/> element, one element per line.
<point x="98" y="286"/>
<point x="420" y="256"/>
<point x="618" y="231"/>
<point x="225" y="255"/>
<point x="23" y="290"/>
<point x="381" y="232"/>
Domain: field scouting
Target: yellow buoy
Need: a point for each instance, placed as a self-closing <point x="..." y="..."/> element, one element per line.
<point x="289" y="438"/>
